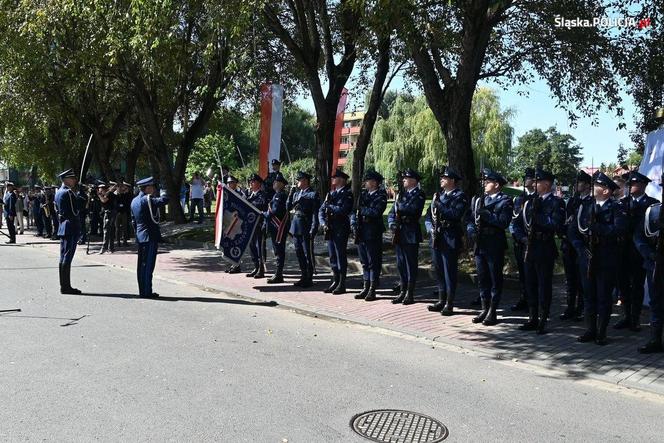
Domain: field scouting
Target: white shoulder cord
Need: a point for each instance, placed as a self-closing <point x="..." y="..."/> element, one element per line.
<point x="578" y="220"/>
<point x="525" y="219"/>
<point x="477" y="204"/>
<point x="156" y="222"/>
<point x="71" y="202"/>
<point x="646" y="223"/>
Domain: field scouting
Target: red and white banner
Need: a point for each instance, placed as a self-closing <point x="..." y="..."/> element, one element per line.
<point x="219" y="221"/>
<point x="272" y="108"/>
<point x="337" y="129"/>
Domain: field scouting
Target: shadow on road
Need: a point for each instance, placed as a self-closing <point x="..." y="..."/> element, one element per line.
<point x="229" y="301"/>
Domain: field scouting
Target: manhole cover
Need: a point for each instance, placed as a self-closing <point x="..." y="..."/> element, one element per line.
<point x="394" y="426"/>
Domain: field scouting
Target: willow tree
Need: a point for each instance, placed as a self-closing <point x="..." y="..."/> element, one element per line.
<point x="411" y="136"/>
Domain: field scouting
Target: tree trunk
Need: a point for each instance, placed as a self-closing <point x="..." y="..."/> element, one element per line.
<point x="324" y="147"/>
<point x="370" y="115"/>
<point x="456" y="130"/>
<point x="132" y="159"/>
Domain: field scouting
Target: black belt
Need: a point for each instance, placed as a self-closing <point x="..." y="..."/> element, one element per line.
<point x="301" y="214"/>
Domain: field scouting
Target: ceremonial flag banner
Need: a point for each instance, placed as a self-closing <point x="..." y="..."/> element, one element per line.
<point x="338" y="125"/>
<point x="272" y="107"/>
<point x="236" y="221"/>
<point x="651" y="165"/>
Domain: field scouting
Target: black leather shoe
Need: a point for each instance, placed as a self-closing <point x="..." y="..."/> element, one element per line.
<point x="70" y="291"/>
<point x="276" y="278"/>
<point x="521" y="305"/>
<point x="485" y="311"/>
<point x="436" y="307"/>
<point x="530" y="325"/>
<point x="541" y="327"/>
<point x="252" y="273"/>
<point x="399" y="298"/>
<point x="306" y="283"/>
<point x="623" y="323"/>
<point x="652" y="347"/>
<point x="586" y="337"/>
<point x="364" y="292"/>
<point x="567" y="315"/>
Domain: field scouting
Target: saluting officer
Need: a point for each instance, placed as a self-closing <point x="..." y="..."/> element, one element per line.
<point x="257" y="197"/>
<point x="269" y="180"/>
<point x="69" y="205"/>
<point x="598" y="224"/>
<point x="646" y="237"/>
<point x="633" y="275"/>
<point x="444" y="223"/>
<point x="518" y="202"/>
<point x="49" y="212"/>
<point x="535" y="228"/>
<point x="404" y="222"/>
<point x="489" y="216"/>
<point x="276" y="217"/>
<point x="368" y="228"/>
<point x="145" y="219"/>
<point x="334" y="217"/>
<point x="305" y="203"/>
<point x="573" y="286"/>
<point x="9" y="209"/>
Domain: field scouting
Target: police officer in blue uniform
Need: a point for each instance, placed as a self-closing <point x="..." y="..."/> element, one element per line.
<point x="257" y="197"/>
<point x="36" y="211"/>
<point x="368" y="227"/>
<point x="646" y="238"/>
<point x="9" y="210"/>
<point x="539" y="220"/>
<point x="276" y="217"/>
<point x="304" y="202"/>
<point x="518" y="203"/>
<point x="271" y="177"/>
<point x="444" y="223"/>
<point x="632" y="275"/>
<point x="145" y="219"/>
<point x="594" y="233"/>
<point x="69" y="203"/>
<point x="489" y="216"/>
<point x="573" y="286"/>
<point x="334" y="218"/>
<point x="404" y="222"/>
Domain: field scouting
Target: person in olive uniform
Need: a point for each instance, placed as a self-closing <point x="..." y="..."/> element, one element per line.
<point x="276" y="217"/>
<point x="632" y="275"/>
<point x="404" y="222"/>
<point x="334" y="218"/>
<point x="444" y="223"/>
<point x="518" y="202"/>
<point x="535" y="228"/>
<point x="257" y="197"/>
<point x="368" y="227"/>
<point x="304" y="202"/>
<point x="594" y="233"/>
<point x="646" y="237"/>
<point x="69" y="203"/>
<point x="573" y="286"/>
<point x="489" y="216"/>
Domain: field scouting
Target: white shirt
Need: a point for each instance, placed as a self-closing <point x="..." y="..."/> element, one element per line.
<point x="197" y="188"/>
<point x="601" y="203"/>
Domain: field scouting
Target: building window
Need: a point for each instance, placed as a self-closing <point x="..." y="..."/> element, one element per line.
<point x="343" y="154"/>
<point x="346" y="124"/>
<point x="344" y="140"/>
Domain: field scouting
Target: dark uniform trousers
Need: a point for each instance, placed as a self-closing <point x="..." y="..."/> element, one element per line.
<point x="539" y="256"/>
<point x="147" y="258"/>
<point x="488" y="231"/>
<point x="10" y="214"/>
<point x="518" y="247"/>
<point x="39" y="221"/>
<point x="369" y="227"/>
<point x="335" y="215"/>
<point x="406" y="213"/>
<point x="276" y="217"/>
<point x="304" y="225"/>
<point x="600" y="281"/>
<point x="257" y="199"/>
<point x="450" y="209"/>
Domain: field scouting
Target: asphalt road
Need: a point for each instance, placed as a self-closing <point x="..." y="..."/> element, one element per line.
<point x="199" y="366"/>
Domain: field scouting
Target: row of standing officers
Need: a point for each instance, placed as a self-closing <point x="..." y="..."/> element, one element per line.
<point x="608" y="244"/>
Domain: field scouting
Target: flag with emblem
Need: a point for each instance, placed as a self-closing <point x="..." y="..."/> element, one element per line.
<point x="236" y="220"/>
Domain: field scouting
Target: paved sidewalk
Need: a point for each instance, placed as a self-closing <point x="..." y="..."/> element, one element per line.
<point x="616" y="363"/>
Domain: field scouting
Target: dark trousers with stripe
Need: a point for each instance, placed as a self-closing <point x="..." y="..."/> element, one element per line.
<point x="279" y="249"/>
<point x="256" y="247"/>
<point x="68" y="248"/>
<point x="407" y="263"/>
<point x="11" y="228"/>
<point x="337" y="247"/>
<point x="147" y="258"/>
<point x="539" y="283"/>
<point x="304" y="249"/>
<point x="446" y="265"/>
<point x="371" y="256"/>
<point x="489" y="265"/>
<point x="39" y="221"/>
